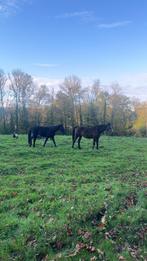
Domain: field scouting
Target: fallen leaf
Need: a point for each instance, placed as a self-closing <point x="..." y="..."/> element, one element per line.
<point x="91" y="248"/>
<point x="93" y="258"/>
<point x="101" y="225"/>
<point x="100" y="252"/>
<point x="80" y="246"/>
<point x="14" y="194"/>
<point x="69" y="231"/>
<point x="87" y="235"/>
<point x="80" y="232"/>
<point x="121" y="258"/>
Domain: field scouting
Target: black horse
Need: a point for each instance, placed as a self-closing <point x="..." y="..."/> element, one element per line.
<point x="46" y="132"/>
<point x="90" y="133"/>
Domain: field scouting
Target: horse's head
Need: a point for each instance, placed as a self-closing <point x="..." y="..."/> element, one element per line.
<point x="61" y="128"/>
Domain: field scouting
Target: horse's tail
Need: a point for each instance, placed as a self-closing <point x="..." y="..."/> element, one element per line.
<point x="74" y="133"/>
<point x="30" y="137"/>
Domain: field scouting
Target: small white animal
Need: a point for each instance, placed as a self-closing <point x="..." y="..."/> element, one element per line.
<point x="15" y="135"/>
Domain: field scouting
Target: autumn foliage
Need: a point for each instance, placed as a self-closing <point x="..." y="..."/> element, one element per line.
<point x="24" y="104"/>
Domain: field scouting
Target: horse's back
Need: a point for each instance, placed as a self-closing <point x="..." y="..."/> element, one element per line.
<point x="46" y="131"/>
<point x="43" y="131"/>
<point x="87" y="131"/>
<point x="83" y="131"/>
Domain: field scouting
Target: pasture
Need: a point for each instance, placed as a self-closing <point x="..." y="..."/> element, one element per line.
<point x="70" y="204"/>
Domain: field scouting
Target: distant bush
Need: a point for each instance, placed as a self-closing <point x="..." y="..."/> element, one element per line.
<point x="142" y="132"/>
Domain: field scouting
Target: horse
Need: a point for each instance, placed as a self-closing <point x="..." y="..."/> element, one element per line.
<point x="46" y="132"/>
<point x="89" y="133"/>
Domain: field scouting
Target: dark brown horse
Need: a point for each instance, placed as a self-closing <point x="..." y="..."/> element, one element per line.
<point x="45" y="132"/>
<point x="89" y="133"/>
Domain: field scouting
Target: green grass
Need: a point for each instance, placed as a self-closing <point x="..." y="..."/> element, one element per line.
<point x="69" y="204"/>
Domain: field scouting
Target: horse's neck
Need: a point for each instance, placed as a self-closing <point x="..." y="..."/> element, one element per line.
<point x="103" y="128"/>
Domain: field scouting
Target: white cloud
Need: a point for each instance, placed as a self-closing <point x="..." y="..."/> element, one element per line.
<point x="114" y="25"/>
<point x="134" y="79"/>
<point x="9" y="7"/>
<point x="73" y="14"/>
<point x="83" y="15"/>
<point x="46" y="65"/>
<point x="89" y="16"/>
<point x="133" y="85"/>
<point x="51" y="83"/>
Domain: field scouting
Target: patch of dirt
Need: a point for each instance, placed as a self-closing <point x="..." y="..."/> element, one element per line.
<point x="129" y="201"/>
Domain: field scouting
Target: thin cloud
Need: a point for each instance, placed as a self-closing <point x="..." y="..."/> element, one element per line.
<point x="10" y="7"/>
<point x="79" y="14"/>
<point x="134" y="79"/>
<point x="131" y="87"/>
<point x="114" y="25"/>
<point x="51" y="83"/>
<point x="46" y="65"/>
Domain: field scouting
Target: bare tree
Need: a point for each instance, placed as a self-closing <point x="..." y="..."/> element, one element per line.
<point x="42" y="96"/>
<point x="41" y="99"/>
<point x="64" y="106"/>
<point x="105" y="101"/>
<point x="3" y="80"/>
<point x="72" y="88"/>
<point x="121" y="110"/>
<point x="21" y="85"/>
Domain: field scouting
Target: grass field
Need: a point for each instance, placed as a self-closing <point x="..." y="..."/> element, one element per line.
<point x="69" y="204"/>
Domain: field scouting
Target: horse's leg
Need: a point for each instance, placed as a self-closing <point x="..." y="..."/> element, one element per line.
<point x="79" y="139"/>
<point x="53" y="139"/>
<point x="74" y="141"/>
<point x="30" y="144"/>
<point x="97" y="143"/>
<point x="45" y="141"/>
<point x="34" y="140"/>
<point x="93" y="143"/>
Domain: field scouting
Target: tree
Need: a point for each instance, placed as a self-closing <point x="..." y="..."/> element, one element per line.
<point x="3" y="80"/>
<point x="63" y="104"/>
<point x="21" y="86"/>
<point x="140" y="123"/>
<point x="95" y="104"/>
<point x="42" y="96"/>
<point x="41" y="100"/>
<point x="71" y="87"/>
<point x="103" y="105"/>
<point x="120" y="110"/>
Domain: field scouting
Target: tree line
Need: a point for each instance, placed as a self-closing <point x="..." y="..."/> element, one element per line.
<point x="24" y="104"/>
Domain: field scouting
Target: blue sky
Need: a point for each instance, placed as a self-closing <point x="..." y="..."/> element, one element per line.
<point x="93" y="39"/>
